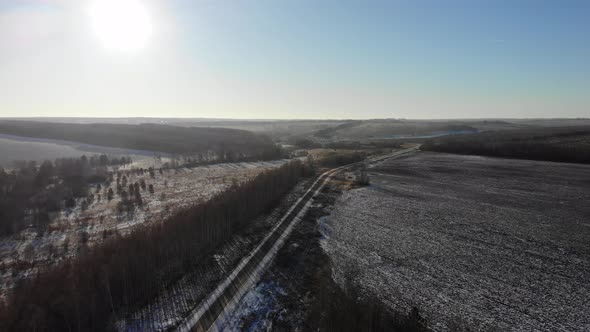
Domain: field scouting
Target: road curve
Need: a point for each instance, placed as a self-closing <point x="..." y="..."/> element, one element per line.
<point x="208" y="315"/>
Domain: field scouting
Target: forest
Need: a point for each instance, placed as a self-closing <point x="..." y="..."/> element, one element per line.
<point x="334" y="159"/>
<point x="31" y="192"/>
<point x="87" y="293"/>
<point x="228" y="144"/>
<point x="561" y="144"/>
<point x="390" y="128"/>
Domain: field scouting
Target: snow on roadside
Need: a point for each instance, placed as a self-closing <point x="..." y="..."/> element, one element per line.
<point x="254" y="309"/>
<point x="175" y="303"/>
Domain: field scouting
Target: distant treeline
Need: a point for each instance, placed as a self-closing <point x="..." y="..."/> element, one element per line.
<point x="29" y="193"/>
<point x="335" y="159"/>
<point x="306" y="143"/>
<point x="391" y="128"/>
<point x="372" y="144"/>
<point x="329" y="132"/>
<point x="88" y="293"/>
<point x="561" y="144"/>
<point x="226" y="144"/>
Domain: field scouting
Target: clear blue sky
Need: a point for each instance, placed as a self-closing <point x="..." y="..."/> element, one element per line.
<point x="302" y="59"/>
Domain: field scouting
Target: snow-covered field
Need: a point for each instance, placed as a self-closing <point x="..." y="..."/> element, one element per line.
<point x="38" y="149"/>
<point x="73" y="230"/>
<point x="487" y="243"/>
<point x="12" y="150"/>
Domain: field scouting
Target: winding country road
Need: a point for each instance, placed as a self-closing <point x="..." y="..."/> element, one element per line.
<point x="210" y="312"/>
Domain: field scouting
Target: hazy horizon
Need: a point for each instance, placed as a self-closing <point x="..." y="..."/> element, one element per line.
<point x="32" y="118"/>
<point x="294" y="59"/>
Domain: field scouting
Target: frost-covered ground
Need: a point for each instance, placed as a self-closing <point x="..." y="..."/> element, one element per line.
<point x="254" y="308"/>
<point x="40" y="149"/>
<point x="486" y="243"/>
<point x="12" y="150"/>
<point x="73" y="230"/>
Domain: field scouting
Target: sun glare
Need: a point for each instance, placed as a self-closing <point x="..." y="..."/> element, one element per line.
<point x="121" y="25"/>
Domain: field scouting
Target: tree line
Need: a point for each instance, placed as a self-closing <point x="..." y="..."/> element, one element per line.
<point x="89" y="292"/>
<point x="227" y="144"/>
<point x="561" y="144"/>
<point x="335" y="159"/>
<point x="30" y="192"/>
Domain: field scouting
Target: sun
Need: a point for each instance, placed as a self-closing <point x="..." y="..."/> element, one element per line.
<point x="121" y="25"/>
